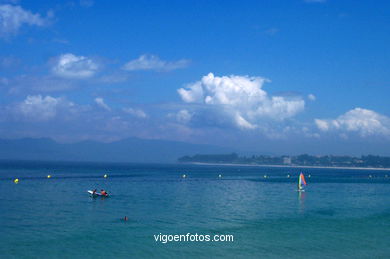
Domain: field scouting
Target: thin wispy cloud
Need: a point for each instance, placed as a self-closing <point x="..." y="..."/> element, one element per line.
<point x="311" y="97"/>
<point x="151" y="62"/>
<point x="100" y="102"/>
<point x="13" y="17"/>
<point x="35" y="84"/>
<point x="86" y="3"/>
<point x="183" y="116"/>
<point x="135" y="112"/>
<point x="113" y="78"/>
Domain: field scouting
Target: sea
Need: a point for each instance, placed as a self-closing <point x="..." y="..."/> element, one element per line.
<point x="343" y="213"/>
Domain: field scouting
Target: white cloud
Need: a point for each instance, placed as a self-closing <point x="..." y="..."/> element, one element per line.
<point x="74" y="67"/>
<point x="322" y="124"/>
<point x="38" y="108"/>
<point x="241" y="99"/>
<point x="151" y="62"/>
<point x="135" y="112"/>
<point x="12" y="17"/>
<point x="311" y="97"/>
<point x="193" y="93"/>
<point x="100" y="102"/>
<point x="361" y="121"/>
<point x="243" y="123"/>
<point x="183" y="116"/>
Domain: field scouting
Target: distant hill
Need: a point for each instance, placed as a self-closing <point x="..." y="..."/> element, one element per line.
<point x="127" y="150"/>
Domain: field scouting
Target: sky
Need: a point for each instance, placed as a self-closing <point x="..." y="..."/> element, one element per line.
<point x="274" y="77"/>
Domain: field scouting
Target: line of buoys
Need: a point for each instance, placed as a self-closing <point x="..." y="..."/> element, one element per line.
<point x="16" y="180"/>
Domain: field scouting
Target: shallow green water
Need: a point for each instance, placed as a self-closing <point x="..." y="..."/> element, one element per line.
<point x="342" y="214"/>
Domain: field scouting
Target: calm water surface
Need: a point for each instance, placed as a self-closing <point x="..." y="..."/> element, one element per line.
<point x="342" y="214"/>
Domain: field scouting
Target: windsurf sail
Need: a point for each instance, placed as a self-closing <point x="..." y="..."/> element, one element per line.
<point x="301" y="181"/>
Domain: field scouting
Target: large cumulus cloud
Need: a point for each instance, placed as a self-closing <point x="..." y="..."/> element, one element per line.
<point x="241" y="99"/>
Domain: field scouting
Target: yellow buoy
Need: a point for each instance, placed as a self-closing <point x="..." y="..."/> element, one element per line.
<point x="105" y="176"/>
<point x="184" y="176"/>
<point x="49" y="176"/>
<point x="16" y="180"/>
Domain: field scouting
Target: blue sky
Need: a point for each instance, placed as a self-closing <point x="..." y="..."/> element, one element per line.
<point x="266" y="76"/>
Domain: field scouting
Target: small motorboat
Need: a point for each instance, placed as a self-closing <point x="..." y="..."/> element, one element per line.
<point x="97" y="194"/>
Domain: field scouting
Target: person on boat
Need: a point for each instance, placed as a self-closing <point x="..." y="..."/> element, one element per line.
<point x="103" y="192"/>
<point x="94" y="192"/>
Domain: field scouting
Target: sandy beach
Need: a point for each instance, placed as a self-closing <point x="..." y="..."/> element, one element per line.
<point x="294" y="166"/>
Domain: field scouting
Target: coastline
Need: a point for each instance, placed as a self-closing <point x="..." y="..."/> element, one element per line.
<point x="294" y="166"/>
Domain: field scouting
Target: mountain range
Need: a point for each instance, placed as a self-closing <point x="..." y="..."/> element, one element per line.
<point x="127" y="150"/>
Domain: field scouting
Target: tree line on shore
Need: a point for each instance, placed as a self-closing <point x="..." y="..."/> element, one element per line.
<point x="299" y="160"/>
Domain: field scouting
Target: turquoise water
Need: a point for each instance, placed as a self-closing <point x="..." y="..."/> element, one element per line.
<point x="342" y="214"/>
